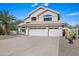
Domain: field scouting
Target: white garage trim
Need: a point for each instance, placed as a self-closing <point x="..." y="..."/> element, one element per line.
<point x="44" y="32"/>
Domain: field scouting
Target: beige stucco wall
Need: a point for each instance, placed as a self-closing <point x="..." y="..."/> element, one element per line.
<point x="37" y="12"/>
<point x="54" y="16"/>
<point x="40" y="18"/>
<point x="35" y="15"/>
<point x="27" y="20"/>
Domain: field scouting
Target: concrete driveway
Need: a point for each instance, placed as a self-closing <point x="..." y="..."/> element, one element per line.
<point x="29" y="46"/>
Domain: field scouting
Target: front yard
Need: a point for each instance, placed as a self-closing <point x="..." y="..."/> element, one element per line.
<point x="2" y="37"/>
<point x="66" y="49"/>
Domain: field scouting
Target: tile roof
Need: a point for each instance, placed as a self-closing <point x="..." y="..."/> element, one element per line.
<point x="42" y="24"/>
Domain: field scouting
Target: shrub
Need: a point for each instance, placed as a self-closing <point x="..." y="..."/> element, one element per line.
<point x="71" y="35"/>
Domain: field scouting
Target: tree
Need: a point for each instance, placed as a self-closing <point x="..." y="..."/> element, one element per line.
<point x="76" y="26"/>
<point x="68" y="25"/>
<point x="6" y="20"/>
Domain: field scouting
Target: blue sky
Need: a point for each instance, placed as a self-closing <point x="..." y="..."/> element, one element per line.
<point x="69" y="11"/>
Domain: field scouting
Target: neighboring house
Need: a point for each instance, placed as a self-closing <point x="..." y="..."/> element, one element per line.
<point x="42" y="22"/>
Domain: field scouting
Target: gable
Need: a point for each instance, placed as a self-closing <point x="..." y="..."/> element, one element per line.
<point x="41" y="11"/>
<point x="47" y="11"/>
<point x="38" y="10"/>
<point x="53" y="14"/>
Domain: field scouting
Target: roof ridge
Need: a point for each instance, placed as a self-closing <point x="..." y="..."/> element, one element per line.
<point x="52" y="10"/>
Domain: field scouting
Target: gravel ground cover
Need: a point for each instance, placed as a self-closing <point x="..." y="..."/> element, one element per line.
<point x="2" y="37"/>
<point x="66" y="49"/>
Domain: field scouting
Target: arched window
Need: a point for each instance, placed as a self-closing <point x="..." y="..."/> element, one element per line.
<point x="47" y="17"/>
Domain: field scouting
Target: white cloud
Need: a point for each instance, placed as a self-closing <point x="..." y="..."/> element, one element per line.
<point x="35" y="4"/>
<point x="46" y="4"/>
<point x="73" y="14"/>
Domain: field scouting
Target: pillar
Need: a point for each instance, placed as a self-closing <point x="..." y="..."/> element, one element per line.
<point x="27" y="31"/>
<point x="61" y="33"/>
<point x="47" y="28"/>
<point x="19" y="30"/>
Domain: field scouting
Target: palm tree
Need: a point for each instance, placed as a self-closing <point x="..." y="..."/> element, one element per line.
<point x="6" y="19"/>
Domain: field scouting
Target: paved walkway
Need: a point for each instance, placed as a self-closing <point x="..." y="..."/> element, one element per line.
<point x="29" y="46"/>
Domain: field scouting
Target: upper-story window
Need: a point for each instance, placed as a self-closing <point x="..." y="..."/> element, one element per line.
<point x="33" y="18"/>
<point x="58" y="16"/>
<point x="47" y="17"/>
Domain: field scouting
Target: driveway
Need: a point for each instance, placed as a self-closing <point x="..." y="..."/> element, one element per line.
<point x="29" y="46"/>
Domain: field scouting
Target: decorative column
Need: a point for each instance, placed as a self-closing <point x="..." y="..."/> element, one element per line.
<point x="27" y="31"/>
<point x="19" y="30"/>
<point x="61" y="31"/>
<point x="47" y="28"/>
<point x="60" y="27"/>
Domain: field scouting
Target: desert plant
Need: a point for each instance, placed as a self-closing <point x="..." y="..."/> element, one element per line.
<point x="71" y="35"/>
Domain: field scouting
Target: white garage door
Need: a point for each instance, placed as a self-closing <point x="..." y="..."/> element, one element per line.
<point x="38" y="32"/>
<point x="55" y="32"/>
<point x="44" y="32"/>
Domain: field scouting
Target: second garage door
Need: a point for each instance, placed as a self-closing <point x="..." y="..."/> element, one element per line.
<point x="55" y="32"/>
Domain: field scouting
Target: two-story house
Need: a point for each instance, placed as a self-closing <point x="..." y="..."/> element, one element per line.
<point x="41" y="22"/>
